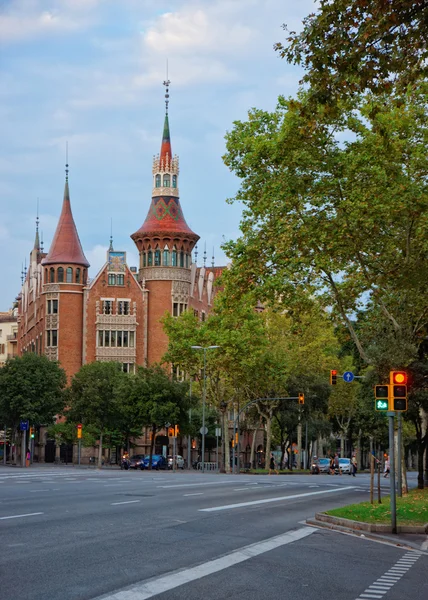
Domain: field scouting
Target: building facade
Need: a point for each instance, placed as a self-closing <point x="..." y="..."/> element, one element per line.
<point x="116" y="315"/>
<point x="8" y="335"/>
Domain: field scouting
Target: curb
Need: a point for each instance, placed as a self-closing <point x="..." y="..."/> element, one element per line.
<point x="370" y="527"/>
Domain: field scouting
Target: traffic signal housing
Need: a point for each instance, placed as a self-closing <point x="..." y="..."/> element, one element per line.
<point x="32" y="433"/>
<point x="301" y="398"/>
<point x="382" y="397"/>
<point x="333" y="377"/>
<point x="171" y="431"/>
<point x="176" y="430"/>
<point x="398" y="391"/>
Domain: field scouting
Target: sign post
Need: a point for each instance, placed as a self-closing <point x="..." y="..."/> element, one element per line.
<point x="23" y="425"/>
<point x="391" y="416"/>
<point x="217" y="435"/>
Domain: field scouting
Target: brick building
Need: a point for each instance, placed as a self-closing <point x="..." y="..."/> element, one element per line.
<point x="116" y="315"/>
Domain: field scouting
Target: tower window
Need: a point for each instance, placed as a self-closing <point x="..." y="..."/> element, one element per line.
<point x="174" y="257"/>
<point x="60" y="275"/>
<point x="166" y="180"/>
<point x="144" y="259"/>
<point x="174" y="181"/>
<point x="187" y="261"/>
<point x="165" y="257"/>
<point x="182" y="259"/>
<point x="157" y="257"/>
<point x="158" y="181"/>
<point x="149" y="258"/>
<point x="69" y="275"/>
<point x="77" y="275"/>
<point x="51" y="275"/>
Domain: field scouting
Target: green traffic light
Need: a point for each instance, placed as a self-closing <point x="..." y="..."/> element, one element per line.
<point x="382" y="404"/>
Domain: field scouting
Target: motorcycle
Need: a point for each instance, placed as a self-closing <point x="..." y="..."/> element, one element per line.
<point x="315" y="469"/>
<point x="124" y="464"/>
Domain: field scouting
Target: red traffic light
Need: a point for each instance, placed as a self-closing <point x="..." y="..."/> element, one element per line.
<point x="398" y="377"/>
<point x="333" y="377"/>
<point x="79" y="426"/>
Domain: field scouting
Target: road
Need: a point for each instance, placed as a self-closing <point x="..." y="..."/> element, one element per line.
<point x="81" y="534"/>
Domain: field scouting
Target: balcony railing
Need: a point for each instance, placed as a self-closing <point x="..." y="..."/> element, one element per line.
<point x="12" y="337"/>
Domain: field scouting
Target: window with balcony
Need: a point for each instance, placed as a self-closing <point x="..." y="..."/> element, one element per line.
<point x="123" y="307"/>
<point x="107" y="307"/>
<point x="157" y="257"/>
<point x="166" y="180"/>
<point x="69" y="275"/>
<point x="51" y="275"/>
<point x="157" y="181"/>
<point x="174" y="181"/>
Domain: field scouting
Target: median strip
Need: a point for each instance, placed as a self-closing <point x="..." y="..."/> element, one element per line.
<point x="278" y="499"/>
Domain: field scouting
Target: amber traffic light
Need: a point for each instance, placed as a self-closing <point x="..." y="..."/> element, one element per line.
<point x="397" y="391"/>
<point x="333" y="377"/>
<point x="301" y="398"/>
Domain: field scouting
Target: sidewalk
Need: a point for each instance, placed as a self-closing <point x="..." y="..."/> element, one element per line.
<point x="415" y="541"/>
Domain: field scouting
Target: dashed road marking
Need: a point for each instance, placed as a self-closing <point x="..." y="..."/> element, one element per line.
<point x="382" y="585"/>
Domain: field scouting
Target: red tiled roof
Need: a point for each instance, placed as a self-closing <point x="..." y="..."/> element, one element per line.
<point x="165" y="215"/>
<point x="66" y="246"/>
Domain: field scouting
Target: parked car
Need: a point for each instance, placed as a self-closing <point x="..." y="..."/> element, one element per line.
<point x="345" y="465"/>
<point x="136" y="461"/>
<point x="158" y="462"/>
<point x="179" y="462"/>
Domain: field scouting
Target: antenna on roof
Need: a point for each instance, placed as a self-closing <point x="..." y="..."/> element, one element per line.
<point x="41" y="241"/>
<point x="205" y="253"/>
<point x="111" y="234"/>
<point x="212" y="263"/>
<point x="66" y="160"/>
<point x="196" y="254"/>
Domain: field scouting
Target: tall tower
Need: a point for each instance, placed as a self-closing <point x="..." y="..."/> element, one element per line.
<point x="165" y="243"/>
<point x="65" y="275"/>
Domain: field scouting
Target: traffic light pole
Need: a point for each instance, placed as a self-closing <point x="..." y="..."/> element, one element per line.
<point x="392" y="471"/>
<point x="399" y="472"/>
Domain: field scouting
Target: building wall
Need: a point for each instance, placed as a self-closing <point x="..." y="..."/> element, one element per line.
<point x="8" y="335"/>
<point x="159" y="302"/>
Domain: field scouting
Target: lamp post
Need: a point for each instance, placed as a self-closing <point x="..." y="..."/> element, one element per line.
<point x="223" y="408"/>
<point x="204" y="349"/>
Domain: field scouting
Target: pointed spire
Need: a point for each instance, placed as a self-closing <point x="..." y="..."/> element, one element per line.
<point x="212" y="261"/>
<point x="196" y="254"/>
<point x="205" y="253"/>
<point x="166" y="152"/>
<point x="37" y="241"/>
<point x="66" y="246"/>
<point x="41" y="243"/>
<point x="111" y="236"/>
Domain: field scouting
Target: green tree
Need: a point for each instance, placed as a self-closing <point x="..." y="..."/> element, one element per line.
<point x="348" y="46"/>
<point x="31" y="388"/>
<point x="95" y="397"/>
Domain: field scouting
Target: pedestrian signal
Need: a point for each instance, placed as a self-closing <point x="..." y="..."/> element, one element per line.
<point x="333" y="377"/>
<point x="381" y="395"/>
<point x="301" y="398"/>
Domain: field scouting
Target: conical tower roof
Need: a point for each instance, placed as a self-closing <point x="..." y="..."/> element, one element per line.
<point x="165" y="214"/>
<point x="66" y="247"/>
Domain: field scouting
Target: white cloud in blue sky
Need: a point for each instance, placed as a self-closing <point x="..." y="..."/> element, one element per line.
<point x="91" y="72"/>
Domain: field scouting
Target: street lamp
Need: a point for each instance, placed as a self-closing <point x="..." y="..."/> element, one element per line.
<point x="204" y="349"/>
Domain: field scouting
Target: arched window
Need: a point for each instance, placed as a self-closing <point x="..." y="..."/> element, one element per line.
<point x="187" y="261"/>
<point x="174" y="257"/>
<point x="165" y="261"/>
<point x="85" y="273"/>
<point x="51" y="275"/>
<point x="166" y="180"/>
<point x="144" y="259"/>
<point x="60" y="275"/>
<point x="77" y="275"/>
<point x="158" y="181"/>
<point x="174" y="181"/>
<point x="149" y="258"/>
<point x="69" y="275"/>
<point x="182" y="259"/>
<point x="157" y="257"/>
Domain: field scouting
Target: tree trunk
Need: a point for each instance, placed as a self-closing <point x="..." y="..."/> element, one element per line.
<point x="100" y="451"/>
<point x="342" y="443"/>
<point x="359" y="457"/>
<point x="253" y="448"/>
<point x="299" y="446"/>
<point x="268" y="438"/>
<point x="420" y="466"/>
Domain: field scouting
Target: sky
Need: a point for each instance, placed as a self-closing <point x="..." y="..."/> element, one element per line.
<point x="90" y="73"/>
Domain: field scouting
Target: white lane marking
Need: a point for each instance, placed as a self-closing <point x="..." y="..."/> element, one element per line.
<point x="425" y="545"/>
<point x="382" y="585"/>
<point x="194" y="494"/>
<point x="126" y="502"/>
<point x="112" y="484"/>
<point x="175" y="579"/>
<point x="240" y="490"/>
<point x="18" y="516"/>
<point x="34" y="491"/>
<point x="181" y="485"/>
<point x="314" y="486"/>
<point x="268" y="500"/>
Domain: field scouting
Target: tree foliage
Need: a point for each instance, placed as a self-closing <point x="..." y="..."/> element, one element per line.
<point x="349" y="46"/>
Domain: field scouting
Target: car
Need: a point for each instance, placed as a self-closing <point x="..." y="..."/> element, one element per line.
<point x="137" y="461"/>
<point x="179" y="462"/>
<point x="320" y="465"/>
<point x="345" y="465"/>
<point x="158" y="462"/>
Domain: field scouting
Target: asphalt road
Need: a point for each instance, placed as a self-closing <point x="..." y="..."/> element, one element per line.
<point x="71" y="534"/>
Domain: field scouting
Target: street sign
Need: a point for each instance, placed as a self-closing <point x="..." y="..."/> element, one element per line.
<point x="23" y="425"/>
<point x="217" y="431"/>
<point x="203" y="430"/>
<point x="348" y="376"/>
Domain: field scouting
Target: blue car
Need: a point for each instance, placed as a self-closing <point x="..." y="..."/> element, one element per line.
<point x="158" y="462"/>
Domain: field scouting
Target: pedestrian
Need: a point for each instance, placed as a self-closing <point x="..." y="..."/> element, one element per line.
<point x="331" y="467"/>
<point x="354" y="465"/>
<point x="272" y="464"/>
<point x="387" y="467"/>
<point x="337" y="464"/>
<point x="28" y="457"/>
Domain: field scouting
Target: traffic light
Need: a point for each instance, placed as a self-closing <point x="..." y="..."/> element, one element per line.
<point x="301" y="398"/>
<point x="236" y="438"/>
<point x="79" y="431"/>
<point x="32" y="433"/>
<point x="398" y="391"/>
<point x="171" y="431"/>
<point x="176" y="431"/>
<point x="381" y="395"/>
<point x="333" y="377"/>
